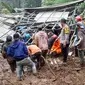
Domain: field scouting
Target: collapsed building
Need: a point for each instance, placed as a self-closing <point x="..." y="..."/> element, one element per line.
<point x="30" y="19"/>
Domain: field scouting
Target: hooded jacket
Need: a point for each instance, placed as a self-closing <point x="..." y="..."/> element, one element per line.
<point x="4" y="49"/>
<point x="81" y="36"/>
<point x="5" y="46"/>
<point x="18" y="50"/>
<point x="41" y="40"/>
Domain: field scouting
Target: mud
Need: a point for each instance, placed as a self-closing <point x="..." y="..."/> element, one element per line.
<point x="72" y="74"/>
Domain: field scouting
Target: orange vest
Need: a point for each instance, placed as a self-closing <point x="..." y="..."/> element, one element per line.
<point x="32" y="49"/>
<point x="56" y="47"/>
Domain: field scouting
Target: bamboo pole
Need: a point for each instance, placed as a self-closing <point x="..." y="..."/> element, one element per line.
<point x="49" y="67"/>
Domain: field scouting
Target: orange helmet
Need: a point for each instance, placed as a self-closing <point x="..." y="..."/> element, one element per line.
<point x="78" y="18"/>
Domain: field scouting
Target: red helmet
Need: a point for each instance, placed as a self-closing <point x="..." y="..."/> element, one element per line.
<point x="78" y="18"/>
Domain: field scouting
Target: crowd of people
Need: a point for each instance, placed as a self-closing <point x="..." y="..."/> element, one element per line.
<point x="33" y="55"/>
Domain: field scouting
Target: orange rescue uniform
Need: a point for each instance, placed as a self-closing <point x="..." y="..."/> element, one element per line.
<point x="56" y="47"/>
<point x="32" y="49"/>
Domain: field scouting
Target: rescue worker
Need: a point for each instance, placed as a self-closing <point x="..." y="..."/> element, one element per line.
<point x="19" y="52"/>
<point x="41" y="40"/>
<point x="79" y="19"/>
<point x="56" y="48"/>
<point x="11" y="61"/>
<point x="26" y="36"/>
<point x="51" y="41"/>
<point x="81" y="43"/>
<point x="50" y="34"/>
<point x="36" y="54"/>
<point x="64" y="39"/>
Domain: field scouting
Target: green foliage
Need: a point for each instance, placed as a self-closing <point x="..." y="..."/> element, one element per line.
<point x="62" y="1"/>
<point x="8" y="7"/>
<point x="81" y="9"/>
<point x="49" y="2"/>
<point x="5" y="11"/>
<point x="54" y="2"/>
<point x="82" y="5"/>
<point x="31" y="3"/>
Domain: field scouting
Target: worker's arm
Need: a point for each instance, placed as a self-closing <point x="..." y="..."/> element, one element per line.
<point x="80" y="38"/>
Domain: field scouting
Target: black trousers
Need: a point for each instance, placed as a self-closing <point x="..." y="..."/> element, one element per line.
<point x="40" y="60"/>
<point x="37" y="56"/>
<point x="12" y="63"/>
<point x="13" y="66"/>
<point x="76" y="51"/>
<point x="44" y="53"/>
<point x="65" y="52"/>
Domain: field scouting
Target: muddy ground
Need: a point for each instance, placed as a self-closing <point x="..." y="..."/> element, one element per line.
<point x="72" y="74"/>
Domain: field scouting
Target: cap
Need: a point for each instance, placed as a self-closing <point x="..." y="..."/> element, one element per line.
<point x="8" y="38"/>
<point x="16" y="36"/>
<point x="63" y="20"/>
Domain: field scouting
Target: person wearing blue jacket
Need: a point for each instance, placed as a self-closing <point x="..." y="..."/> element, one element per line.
<point x="19" y="52"/>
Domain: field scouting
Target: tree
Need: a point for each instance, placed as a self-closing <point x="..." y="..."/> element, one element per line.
<point x="54" y="2"/>
<point x="8" y="7"/>
<point x="31" y="3"/>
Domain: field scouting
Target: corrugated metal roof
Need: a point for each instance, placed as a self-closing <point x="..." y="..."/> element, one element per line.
<point x="2" y="18"/>
<point x="10" y="21"/>
<point x="4" y="29"/>
<point x="51" y="16"/>
<point x="9" y="33"/>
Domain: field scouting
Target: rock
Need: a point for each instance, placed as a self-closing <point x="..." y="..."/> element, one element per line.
<point x="67" y="79"/>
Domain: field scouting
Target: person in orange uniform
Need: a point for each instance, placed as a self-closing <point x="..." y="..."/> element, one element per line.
<point x="35" y="53"/>
<point x="56" y="48"/>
